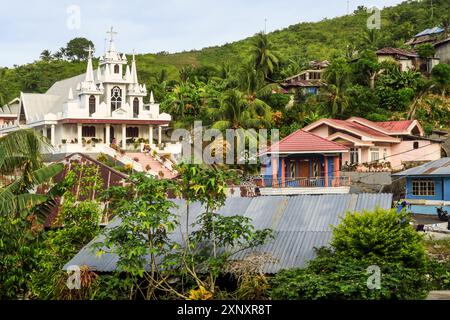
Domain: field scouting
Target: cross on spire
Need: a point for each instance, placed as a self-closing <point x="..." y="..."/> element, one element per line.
<point x="90" y="51"/>
<point x="111" y="33"/>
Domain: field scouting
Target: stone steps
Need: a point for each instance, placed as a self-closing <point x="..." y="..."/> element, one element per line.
<point x="149" y="163"/>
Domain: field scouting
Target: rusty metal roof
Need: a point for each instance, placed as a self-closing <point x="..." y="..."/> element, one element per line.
<point x="300" y="224"/>
<point x="436" y="168"/>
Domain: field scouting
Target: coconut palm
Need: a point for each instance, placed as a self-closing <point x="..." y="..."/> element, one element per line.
<point x="263" y="56"/>
<point x="236" y="111"/>
<point x="20" y="155"/>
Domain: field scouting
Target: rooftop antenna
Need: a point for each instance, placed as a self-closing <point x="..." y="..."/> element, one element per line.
<point x="265" y="26"/>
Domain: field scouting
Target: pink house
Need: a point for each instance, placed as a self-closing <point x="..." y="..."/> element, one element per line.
<point x="395" y="142"/>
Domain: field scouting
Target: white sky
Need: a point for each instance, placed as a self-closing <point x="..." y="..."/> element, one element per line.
<point x="29" y="26"/>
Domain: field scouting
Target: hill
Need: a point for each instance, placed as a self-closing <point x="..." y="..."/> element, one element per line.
<point x="313" y="41"/>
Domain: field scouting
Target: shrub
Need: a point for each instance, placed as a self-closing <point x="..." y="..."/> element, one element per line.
<point x="382" y="238"/>
<point x="379" y="236"/>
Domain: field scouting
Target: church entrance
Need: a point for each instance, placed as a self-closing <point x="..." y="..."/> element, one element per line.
<point x="111" y="135"/>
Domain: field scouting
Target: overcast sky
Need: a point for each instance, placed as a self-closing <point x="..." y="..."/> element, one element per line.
<point x="28" y="27"/>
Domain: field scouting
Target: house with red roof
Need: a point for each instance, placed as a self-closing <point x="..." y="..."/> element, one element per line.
<point x="304" y="163"/>
<point x="394" y="143"/>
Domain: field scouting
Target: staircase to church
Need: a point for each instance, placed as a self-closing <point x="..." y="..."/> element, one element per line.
<point x="150" y="164"/>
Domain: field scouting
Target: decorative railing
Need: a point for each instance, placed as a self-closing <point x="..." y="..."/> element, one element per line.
<point x="319" y="182"/>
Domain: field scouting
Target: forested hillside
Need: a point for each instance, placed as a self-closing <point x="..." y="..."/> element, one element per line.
<point x="191" y="85"/>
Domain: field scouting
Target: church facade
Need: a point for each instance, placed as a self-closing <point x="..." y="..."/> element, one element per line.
<point x="91" y="112"/>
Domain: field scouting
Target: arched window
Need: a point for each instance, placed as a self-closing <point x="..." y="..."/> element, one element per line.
<point x="116" y="69"/>
<point x="133" y="132"/>
<point x="92" y="102"/>
<point x="135" y="107"/>
<point x="88" y="132"/>
<point x="116" y="98"/>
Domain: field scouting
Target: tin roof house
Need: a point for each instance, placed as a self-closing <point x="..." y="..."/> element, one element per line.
<point x="427" y="187"/>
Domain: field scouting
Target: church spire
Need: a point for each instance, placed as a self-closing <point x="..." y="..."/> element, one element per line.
<point x="89" y="70"/>
<point x="134" y="78"/>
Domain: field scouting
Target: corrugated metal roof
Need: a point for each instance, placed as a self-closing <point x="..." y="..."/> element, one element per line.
<point x="426" y="32"/>
<point x="300" y="224"/>
<point x="439" y="167"/>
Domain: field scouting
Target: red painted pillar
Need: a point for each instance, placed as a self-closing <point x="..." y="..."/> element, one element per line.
<point x="337" y="171"/>
<point x="275" y="164"/>
<point x="283" y="173"/>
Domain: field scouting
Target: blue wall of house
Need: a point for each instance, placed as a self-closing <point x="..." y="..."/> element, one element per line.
<point x="442" y="193"/>
<point x="439" y="192"/>
<point x="446" y="189"/>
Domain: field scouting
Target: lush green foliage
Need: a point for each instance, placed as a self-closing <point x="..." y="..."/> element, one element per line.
<point x="77" y="223"/>
<point x="188" y="84"/>
<point x="159" y="267"/>
<point x="381" y="238"/>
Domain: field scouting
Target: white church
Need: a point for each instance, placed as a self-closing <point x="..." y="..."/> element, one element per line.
<point x="101" y="111"/>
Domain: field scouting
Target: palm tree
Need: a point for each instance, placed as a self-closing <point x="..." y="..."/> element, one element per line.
<point x="20" y="154"/>
<point x="337" y="77"/>
<point x="46" y="55"/>
<point x="236" y="111"/>
<point x="263" y="56"/>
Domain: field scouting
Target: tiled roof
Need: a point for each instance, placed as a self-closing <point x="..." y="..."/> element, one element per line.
<point x="302" y="83"/>
<point x="351" y="126"/>
<point x="397" y="51"/>
<point x="395" y="126"/>
<point x="303" y="142"/>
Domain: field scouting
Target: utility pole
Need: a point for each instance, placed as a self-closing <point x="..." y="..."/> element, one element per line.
<point x="265" y="26"/>
<point x="348" y="7"/>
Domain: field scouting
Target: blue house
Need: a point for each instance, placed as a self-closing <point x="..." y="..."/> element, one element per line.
<point x="303" y="163"/>
<point x="428" y="187"/>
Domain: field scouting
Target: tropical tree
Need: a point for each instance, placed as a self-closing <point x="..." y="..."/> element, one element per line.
<point x="77" y="49"/>
<point x="236" y="111"/>
<point x="46" y="55"/>
<point x="441" y="75"/>
<point x="20" y="156"/>
<point x="263" y="56"/>
<point x="337" y="79"/>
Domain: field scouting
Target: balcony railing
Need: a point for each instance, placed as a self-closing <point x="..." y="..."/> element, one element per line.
<point x="318" y="182"/>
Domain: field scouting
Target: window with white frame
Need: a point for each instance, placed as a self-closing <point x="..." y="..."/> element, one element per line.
<point x="374" y="154"/>
<point x="385" y="154"/>
<point x="423" y="188"/>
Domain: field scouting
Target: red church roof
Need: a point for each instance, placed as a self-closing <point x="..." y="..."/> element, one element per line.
<point x="305" y="142"/>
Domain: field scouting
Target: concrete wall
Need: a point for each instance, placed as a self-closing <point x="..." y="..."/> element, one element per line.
<point x="443" y="53"/>
<point x="370" y="178"/>
<point x="321" y="131"/>
<point x="404" y="151"/>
